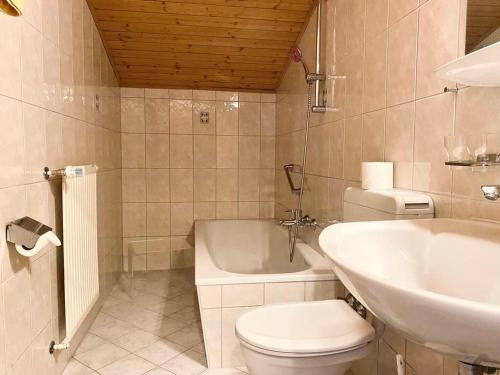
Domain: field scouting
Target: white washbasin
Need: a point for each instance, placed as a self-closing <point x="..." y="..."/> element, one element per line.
<point x="437" y="281"/>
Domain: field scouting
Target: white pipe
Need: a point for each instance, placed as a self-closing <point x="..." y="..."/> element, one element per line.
<point x="318" y="53"/>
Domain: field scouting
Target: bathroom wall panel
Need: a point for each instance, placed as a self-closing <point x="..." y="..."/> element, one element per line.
<point x="223" y="169"/>
<point x="414" y="39"/>
<point x="53" y="64"/>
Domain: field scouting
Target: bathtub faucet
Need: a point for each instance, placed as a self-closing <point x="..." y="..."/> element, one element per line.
<point x="298" y="220"/>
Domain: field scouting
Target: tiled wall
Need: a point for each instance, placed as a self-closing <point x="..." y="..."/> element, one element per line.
<point x="391" y="107"/>
<point x="52" y="63"/>
<point x="177" y="170"/>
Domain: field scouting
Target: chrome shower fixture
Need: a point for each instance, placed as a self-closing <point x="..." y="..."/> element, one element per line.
<point x="296" y="56"/>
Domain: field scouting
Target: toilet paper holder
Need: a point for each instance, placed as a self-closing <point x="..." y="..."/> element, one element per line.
<point x="26" y="233"/>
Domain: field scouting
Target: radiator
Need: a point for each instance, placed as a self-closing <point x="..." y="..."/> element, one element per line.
<point x="81" y="272"/>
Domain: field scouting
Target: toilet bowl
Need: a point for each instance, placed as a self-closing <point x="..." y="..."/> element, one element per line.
<point x="311" y="338"/>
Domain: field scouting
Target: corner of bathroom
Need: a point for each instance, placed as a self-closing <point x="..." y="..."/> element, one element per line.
<point x="264" y="187"/>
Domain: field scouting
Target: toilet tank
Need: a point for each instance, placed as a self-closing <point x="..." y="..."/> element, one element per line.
<point x="373" y="205"/>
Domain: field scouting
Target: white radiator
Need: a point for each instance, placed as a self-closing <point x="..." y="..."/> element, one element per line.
<point x="81" y="273"/>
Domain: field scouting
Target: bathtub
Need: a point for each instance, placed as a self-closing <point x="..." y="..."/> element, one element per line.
<point x="243" y="264"/>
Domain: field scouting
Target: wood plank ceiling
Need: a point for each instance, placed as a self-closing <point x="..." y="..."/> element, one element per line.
<point x="483" y="18"/>
<point x="216" y="44"/>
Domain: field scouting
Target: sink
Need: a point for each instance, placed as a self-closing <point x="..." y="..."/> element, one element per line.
<point x="436" y="281"/>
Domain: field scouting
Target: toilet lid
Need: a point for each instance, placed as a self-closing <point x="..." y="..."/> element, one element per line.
<point x="306" y="327"/>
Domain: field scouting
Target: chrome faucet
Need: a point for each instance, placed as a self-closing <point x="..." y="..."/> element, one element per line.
<point x="298" y="220"/>
<point x="491" y="192"/>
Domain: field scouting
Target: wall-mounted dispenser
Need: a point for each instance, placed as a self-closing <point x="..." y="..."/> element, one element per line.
<point x="30" y="236"/>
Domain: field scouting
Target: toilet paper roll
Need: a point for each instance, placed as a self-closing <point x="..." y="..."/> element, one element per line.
<point x="43" y="241"/>
<point x="377" y="175"/>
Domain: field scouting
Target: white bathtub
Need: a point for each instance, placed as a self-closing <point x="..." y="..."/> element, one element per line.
<point x="243" y="264"/>
<point x="252" y="251"/>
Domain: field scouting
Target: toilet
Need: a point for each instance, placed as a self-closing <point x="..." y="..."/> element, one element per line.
<point x="325" y="337"/>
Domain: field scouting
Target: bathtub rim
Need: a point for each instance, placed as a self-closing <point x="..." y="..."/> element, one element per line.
<point x="207" y="273"/>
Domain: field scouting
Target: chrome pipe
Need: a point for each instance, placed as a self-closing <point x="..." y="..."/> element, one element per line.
<point x="317" y="83"/>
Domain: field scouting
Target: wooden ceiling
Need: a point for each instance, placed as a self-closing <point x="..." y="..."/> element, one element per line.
<point x="216" y="44"/>
<point x="483" y="18"/>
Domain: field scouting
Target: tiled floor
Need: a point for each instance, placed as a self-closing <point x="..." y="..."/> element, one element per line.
<point x="155" y="331"/>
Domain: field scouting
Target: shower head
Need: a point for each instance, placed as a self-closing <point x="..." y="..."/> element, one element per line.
<point x="296" y="56"/>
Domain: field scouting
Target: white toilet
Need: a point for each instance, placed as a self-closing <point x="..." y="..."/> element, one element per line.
<point x="322" y="338"/>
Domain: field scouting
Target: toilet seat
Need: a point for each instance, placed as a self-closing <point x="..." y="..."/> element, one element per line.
<point x="304" y="329"/>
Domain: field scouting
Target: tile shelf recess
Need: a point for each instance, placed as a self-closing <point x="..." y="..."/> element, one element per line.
<point x="479" y="68"/>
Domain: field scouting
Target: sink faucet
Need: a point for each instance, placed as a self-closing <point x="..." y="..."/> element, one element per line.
<point x="491" y="192"/>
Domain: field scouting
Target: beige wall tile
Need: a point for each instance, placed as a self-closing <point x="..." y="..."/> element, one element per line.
<point x="386" y="360"/>
<point x="10" y="48"/>
<point x="231" y="355"/>
<point x="157" y="115"/>
<point x="41" y="307"/>
<point x="181" y="151"/>
<point x="158" y="261"/>
<point x="438" y="20"/>
<point x="31" y="65"/>
<point x="156" y="93"/>
<point x="268" y="119"/>
<point x="423" y="360"/>
<point x="158" y="219"/>
<point x="322" y="290"/>
<point x="128" y="92"/>
<point x="134" y="219"/>
<point x="158" y="150"/>
<point x="212" y="322"/>
<point x="433" y="120"/>
<point x="227" y="118"/>
<point x="204" y="210"/>
<point x="284" y="292"/>
<point x="228" y="96"/>
<point x="227" y="185"/>
<point x="249" y="152"/>
<point x="210" y="296"/>
<point x="227" y="152"/>
<point x="226" y="210"/>
<point x="267" y="185"/>
<point x="158" y="185"/>
<point x="402" y="57"/>
<point x="133" y="151"/>
<point x="242" y="295"/>
<point x="134" y="185"/>
<point x="181" y="117"/>
<point x="181" y="94"/>
<point x="205" y="181"/>
<point x="17" y="315"/>
<point x="375" y="65"/>
<point x="182" y="218"/>
<point x="12" y="158"/>
<point x="248" y="185"/>
<point x="373" y="136"/>
<point x="248" y="210"/>
<point x="400" y="8"/>
<point x="203" y="95"/>
<point x="249" y="118"/>
<point x="267" y="152"/>
<point x="205" y="151"/>
<point x="132" y="115"/>
<point x="181" y="185"/>
<point x="353" y="147"/>
<point x="376" y="17"/>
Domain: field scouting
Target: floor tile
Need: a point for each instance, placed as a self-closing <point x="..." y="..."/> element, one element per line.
<point x="188" y="336"/>
<point x="77" y="368"/>
<point x="187" y="363"/>
<point x="136" y="340"/>
<point x="112" y="329"/>
<point x="159" y="371"/>
<point x="90" y="341"/>
<point x="223" y="371"/>
<point x="161" y="351"/>
<point x="102" y="356"/>
<point x="131" y="365"/>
